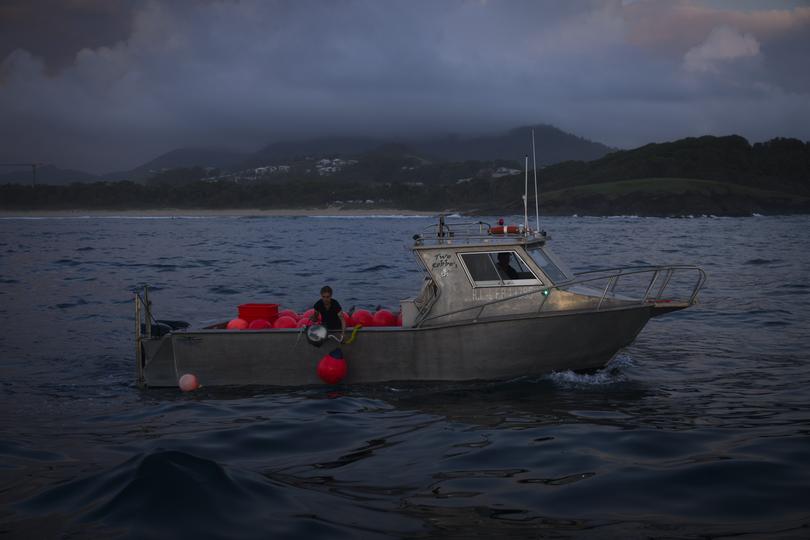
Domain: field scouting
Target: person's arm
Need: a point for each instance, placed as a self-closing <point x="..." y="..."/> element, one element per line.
<point x="314" y="316"/>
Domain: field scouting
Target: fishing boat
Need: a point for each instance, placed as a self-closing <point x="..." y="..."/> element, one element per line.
<point x="496" y="303"/>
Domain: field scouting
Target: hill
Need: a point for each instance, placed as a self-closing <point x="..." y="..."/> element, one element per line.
<point x="663" y="197"/>
<point x="554" y="146"/>
<point x="779" y="164"/>
<point x="704" y="175"/>
<point x="47" y="174"/>
<point x="284" y="151"/>
<point x="182" y="157"/>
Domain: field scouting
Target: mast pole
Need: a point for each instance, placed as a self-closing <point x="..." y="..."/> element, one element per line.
<point x="526" y="194"/>
<point x="536" y="192"/>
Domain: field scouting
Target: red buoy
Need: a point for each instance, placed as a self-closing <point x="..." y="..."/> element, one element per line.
<point x="304" y="321"/>
<point x="237" y="324"/>
<point x="364" y="317"/>
<point x="308" y="313"/>
<point x="332" y="367"/>
<point x="285" y="322"/>
<point x="260" y="324"/>
<point x="348" y="318"/>
<point x="384" y="318"/>
<point x="288" y="313"/>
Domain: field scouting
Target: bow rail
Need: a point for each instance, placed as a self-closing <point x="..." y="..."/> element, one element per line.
<point x="654" y="290"/>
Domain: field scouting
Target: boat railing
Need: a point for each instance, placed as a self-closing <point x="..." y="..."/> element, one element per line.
<point x="143" y="329"/>
<point x="661" y="277"/>
<point x="471" y="232"/>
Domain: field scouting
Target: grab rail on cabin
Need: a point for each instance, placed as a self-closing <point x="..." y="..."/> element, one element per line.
<point x="664" y="273"/>
<point x="470" y="231"/>
<point x="143" y="329"/>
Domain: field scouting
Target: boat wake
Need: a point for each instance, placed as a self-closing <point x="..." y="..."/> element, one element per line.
<point x="614" y="372"/>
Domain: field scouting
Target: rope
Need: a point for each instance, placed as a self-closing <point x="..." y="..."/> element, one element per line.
<point x="351" y="339"/>
<point x="148" y="309"/>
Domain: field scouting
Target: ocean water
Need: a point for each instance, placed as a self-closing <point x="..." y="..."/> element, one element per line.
<point x="700" y="429"/>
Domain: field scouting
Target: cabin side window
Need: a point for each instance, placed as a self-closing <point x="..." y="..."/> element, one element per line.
<point x="498" y="269"/>
<point x="548" y="267"/>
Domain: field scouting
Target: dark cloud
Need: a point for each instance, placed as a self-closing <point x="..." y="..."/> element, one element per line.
<point x="241" y="73"/>
<point x="55" y="30"/>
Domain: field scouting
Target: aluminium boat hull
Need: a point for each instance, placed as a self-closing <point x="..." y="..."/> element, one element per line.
<point x="493" y="349"/>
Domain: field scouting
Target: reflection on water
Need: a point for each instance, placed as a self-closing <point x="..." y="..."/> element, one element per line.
<point x="700" y="428"/>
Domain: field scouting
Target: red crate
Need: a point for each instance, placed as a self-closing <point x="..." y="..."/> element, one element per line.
<point x="251" y="312"/>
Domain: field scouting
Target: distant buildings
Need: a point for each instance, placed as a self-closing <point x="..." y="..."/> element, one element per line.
<point x="329" y="166"/>
<point x="271" y="169"/>
<point x="505" y="171"/>
<point x="323" y="167"/>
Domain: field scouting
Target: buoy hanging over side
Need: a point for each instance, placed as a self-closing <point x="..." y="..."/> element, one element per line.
<point x="332" y="368"/>
<point x="188" y="382"/>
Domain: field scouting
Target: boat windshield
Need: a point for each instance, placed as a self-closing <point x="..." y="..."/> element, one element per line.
<point x="498" y="269"/>
<point x="548" y="267"/>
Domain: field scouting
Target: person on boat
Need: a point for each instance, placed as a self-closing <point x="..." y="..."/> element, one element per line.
<point x="329" y="310"/>
<point x="504" y="268"/>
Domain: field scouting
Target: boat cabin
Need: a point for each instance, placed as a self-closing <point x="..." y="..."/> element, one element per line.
<point x="474" y="271"/>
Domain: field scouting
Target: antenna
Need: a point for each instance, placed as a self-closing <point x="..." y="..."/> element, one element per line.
<point x="33" y="169"/>
<point x="526" y="195"/>
<point x="536" y="193"/>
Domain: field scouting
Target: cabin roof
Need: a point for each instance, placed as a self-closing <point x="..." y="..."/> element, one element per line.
<point x="477" y="234"/>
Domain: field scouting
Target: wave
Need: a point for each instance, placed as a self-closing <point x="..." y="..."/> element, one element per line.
<point x="169" y="493"/>
<point x="376" y="216"/>
<point x="612" y="373"/>
<point x="760" y="261"/>
<point x="376" y="268"/>
<point x="38" y="218"/>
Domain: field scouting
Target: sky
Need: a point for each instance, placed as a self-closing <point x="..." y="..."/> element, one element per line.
<point x="103" y="85"/>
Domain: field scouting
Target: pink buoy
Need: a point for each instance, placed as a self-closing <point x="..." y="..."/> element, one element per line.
<point x="384" y="318"/>
<point x="304" y="321"/>
<point x="188" y="382"/>
<point x="288" y="313"/>
<point x="364" y="317"/>
<point x="285" y="322"/>
<point x="308" y="313"/>
<point x="332" y="368"/>
<point x="237" y="324"/>
<point x="260" y="324"/>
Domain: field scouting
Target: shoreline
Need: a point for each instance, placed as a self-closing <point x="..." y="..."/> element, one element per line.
<point x="205" y="212"/>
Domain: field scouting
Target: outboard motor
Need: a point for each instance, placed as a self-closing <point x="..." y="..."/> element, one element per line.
<point x="316" y="335"/>
<point x="161" y="328"/>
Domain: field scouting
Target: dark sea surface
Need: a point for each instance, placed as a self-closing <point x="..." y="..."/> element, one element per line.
<point x="700" y="429"/>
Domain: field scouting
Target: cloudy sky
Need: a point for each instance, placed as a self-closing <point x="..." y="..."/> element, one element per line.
<point x="101" y="85"/>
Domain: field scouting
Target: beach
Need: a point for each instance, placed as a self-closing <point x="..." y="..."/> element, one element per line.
<point x="207" y="212"/>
